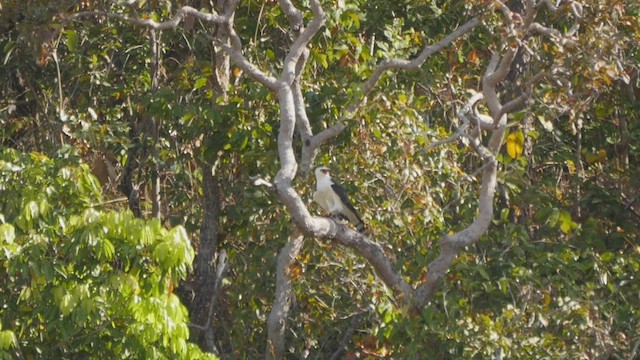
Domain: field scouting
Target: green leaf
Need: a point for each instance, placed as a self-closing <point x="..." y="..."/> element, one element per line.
<point x="270" y="54"/>
<point x="566" y="223"/>
<point x="200" y="83"/>
<point x="161" y="252"/>
<point x="245" y="142"/>
<point x="504" y="215"/>
<point x="607" y="257"/>
<point x="107" y="250"/>
<point x="7" y="339"/>
<point x="355" y="18"/>
<point x="543" y="214"/>
<point x="8" y="49"/>
<point x="321" y="58"/>
<point x="7" y="233"/>
<point x="72" y="40"/>
<point x="66" y="304"/>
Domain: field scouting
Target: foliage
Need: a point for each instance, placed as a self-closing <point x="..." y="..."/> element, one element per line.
<point x="555" y="277"/>
<point x="80" y="282"/>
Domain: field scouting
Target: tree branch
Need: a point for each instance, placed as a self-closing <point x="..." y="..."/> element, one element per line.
<point x="496" y="72"/>
<point x="276" y="323"/>
<point x="150" y="23"/>
<point x="346" y="338"/>
<point x="221" y="271"/>
<point x="301" y="42"/>
<point x="316" y="141"/>
<point x="415" y="63"/>
<point x="294" y="15"/>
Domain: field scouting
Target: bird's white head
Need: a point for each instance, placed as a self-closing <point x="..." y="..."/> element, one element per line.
<point x="322" y="172"/>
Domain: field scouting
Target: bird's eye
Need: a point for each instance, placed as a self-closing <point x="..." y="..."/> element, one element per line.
<point x="325" y="171"/>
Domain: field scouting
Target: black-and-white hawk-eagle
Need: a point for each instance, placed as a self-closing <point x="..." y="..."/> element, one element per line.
<point x="333" y="198"/>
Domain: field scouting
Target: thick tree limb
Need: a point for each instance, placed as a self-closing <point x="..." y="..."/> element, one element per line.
<point x="253" y="71"/>
<point x="301" y="42"/>
<point x="276" y="323"/>
<point x="294" y="15"/>
<point x="450" y="245"/>
<point x="312" y="145"/>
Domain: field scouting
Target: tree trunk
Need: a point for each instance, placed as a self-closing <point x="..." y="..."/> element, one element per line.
<point x="204" y="262"/>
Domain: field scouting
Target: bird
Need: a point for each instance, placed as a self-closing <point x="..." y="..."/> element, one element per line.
<point x="333" y="198"/>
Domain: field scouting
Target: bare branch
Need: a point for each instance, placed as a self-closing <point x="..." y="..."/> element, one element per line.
<point x="258" y="181"/>
<point x="462" y="115"/>
<point x="294" y="15"/>
<point x="458" y="134"/>
<point x="501" y="71"/>
<point x="276" y="324"/>
<point x="506" y="12"/>
<point x="253" y="71"/>
<point x="517" y="103"/>
<point x="312" y="145"/>
<point x="497" y="71"/>
<point x="150" y="23"/>
<point x="551" y="6"/>
<point x="530" y="12"/>
<point x="300" y="44"/>
<point x="576" y="10"/>
<point x="540" y="29"/>
<point x="221" y="271"/>
<point x="418" y="61"/>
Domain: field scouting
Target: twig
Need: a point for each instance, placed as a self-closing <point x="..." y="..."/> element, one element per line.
<point x="113" y="201"/>
<point x="458" y="134"/>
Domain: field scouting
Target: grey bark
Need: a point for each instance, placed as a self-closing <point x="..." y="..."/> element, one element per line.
<point x="276" y="323"/>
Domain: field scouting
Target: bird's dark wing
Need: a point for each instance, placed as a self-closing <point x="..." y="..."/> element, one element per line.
<point x="342" y="194"/>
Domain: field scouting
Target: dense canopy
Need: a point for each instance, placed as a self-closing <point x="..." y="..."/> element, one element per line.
<point x="156" y="179"/>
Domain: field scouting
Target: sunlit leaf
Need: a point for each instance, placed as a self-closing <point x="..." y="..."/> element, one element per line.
<point x="515" y="144"/>
<point x="7" y="233"/>
<point x="200" y="83"/>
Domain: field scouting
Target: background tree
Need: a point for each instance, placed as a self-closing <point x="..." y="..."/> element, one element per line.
<point x="492" y="96"/>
